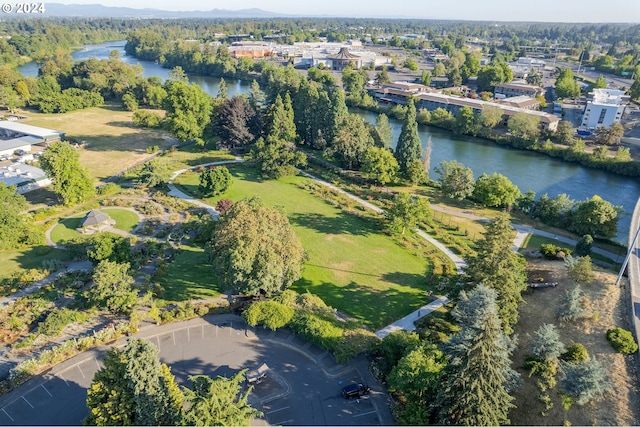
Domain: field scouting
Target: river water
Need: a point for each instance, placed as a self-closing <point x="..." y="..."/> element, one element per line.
<point x="528" y="170"/>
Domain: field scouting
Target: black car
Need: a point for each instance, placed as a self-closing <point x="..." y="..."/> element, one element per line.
<point x="355" y="390"/>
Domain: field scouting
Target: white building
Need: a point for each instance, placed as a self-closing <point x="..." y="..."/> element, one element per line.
<point x="604" y="107"/>
<point x="25" y="177"/>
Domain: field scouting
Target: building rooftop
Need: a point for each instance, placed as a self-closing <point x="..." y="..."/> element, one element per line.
<point x="95" y="217"/>
<point x="15" y="143"/>
<point x="344" y="53"/>
<point x="21" y="174"/>
<point x="520" y="86"/>
<point x="608" y="96"/>
<point x="20" y="128"/>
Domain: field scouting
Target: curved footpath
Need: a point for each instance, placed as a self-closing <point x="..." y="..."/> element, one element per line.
<point x="407" y="322"/>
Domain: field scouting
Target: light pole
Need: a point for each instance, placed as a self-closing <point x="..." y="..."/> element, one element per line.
<point x="626" y="259"/>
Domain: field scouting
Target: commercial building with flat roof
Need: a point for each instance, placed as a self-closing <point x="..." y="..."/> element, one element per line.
<point x="11" y="129"/>
<point x="25" y="177"/>
<point x="604" y="107"/>
<point x="24" y="143"/>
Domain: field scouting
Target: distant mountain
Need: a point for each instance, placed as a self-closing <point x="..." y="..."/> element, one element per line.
<point x="100" y="11"/>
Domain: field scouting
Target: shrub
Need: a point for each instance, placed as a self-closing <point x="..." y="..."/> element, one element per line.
<point x="108" y="188"/>
<point x="271" y="314"/>
<point x="551" y="251"/>
<point x="317" y="330"/>
<point x="622" y="340"/>
<point x="576" y="353"/>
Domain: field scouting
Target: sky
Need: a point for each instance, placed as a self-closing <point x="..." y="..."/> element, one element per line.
<point x="486" y="10"/>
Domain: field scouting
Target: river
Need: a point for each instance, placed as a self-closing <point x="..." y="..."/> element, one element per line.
<point x="528" y="170"/>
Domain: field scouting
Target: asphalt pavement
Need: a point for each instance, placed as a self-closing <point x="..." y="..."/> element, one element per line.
<point x="302" y="387"/>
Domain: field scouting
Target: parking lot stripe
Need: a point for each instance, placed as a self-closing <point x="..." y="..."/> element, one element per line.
<point x="276" y="410"/>
<point x="65" y="381"/>
<point x="188" y="335"/>
<point x="28" y="403"/>
<point x="282" y="422"/>
<point x="366" y="413"/>
<point x="80" y="369"/>
<point x="45" y="389"/>
<point x="202" y="331"/>
<point x="174" y="337"/>
<point x="5" y="412"/>
<point x="97" y="363"/>
<point x="158" y="339"/>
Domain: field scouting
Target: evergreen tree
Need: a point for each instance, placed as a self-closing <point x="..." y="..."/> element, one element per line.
<point x="498" y="266"/>
<point x="546" y="344"/>
<point x="384" y="130"/>
<point x="409" y="147"/>
<point x="474" y="389"/>
<point x="257" y="97"/>
<point x="280" y="119"/>
<point x="218" y="402"/>
<point x="134" y="388"/>
<point x="222" y="89"/>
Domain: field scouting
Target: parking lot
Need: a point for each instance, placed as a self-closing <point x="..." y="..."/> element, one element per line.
<point x="302" y="387"/>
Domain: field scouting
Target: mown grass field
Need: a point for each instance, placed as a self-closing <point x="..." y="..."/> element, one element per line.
<point x="66" y="229"/>
<point x="353" y="268"/>
<point x="114" y="143"/>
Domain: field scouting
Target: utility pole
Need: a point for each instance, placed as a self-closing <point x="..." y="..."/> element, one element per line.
<point x="626" y="259"/>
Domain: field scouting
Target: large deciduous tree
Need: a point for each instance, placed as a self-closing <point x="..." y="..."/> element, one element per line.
<point x="112" y="287"/>
<point x="409" y="147"/>
<point x="188" y="110"/>
<point x="237" y="123"/>
<point x="475" y="385"/>
<point x="456" y="180"/>
<point x="597" y="217"/>
<point x="407" y="211"/>
<point x="524" y="125"/>
<point x="380" y="165"/>
<point x="496" y="190"/>
<point x="15" y="224"/>
<point x="566" y="86"/>
<point x="498" y="266"/>
<point x="71" y="181"/>
<point x="253" y="248"/>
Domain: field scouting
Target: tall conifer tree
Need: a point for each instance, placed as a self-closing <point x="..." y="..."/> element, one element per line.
<point x="409" y="147"/>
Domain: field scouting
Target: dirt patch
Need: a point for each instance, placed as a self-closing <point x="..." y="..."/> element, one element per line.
<point x="338" y="237"/>
<point x="608" y="306"/>
<point x="342" y="270"/>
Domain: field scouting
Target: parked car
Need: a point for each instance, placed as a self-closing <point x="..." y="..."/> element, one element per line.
<point x="355" y="390"/>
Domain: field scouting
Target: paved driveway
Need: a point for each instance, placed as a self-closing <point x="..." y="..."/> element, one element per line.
<point x="302" y="386"/>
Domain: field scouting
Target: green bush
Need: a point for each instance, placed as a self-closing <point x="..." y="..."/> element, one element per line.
<point x="576" y="353"/>
<point x="551" y="251"/>
<point x="271" y="314"/>
<point x="622" y="340"/>
<point x="317" y="330"/>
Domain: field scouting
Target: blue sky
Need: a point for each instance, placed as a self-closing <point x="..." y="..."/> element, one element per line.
<point x="499" y="10"/>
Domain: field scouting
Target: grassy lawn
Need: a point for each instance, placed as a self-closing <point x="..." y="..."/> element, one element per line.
<point x="125" y="219"/>
<point x="24" y="259"/>
<point x="189" y="276"/>
<point x="192" y="155"/>
<point x="351" y="267"/>
<point x="114" y="143"/>
<point x="66" y="228"/>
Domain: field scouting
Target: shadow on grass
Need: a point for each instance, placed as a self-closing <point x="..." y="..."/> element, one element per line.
<point x="121" y="124"/>
<point x="375" y="308"/>
<point x="30" y="258"/>
<point x="342" y="223"/>
<point x="401" y="278"/>
<point x="134" y="143"/>
<point x="188" y="276"/>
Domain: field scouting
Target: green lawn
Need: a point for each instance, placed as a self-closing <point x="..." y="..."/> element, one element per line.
<point x="125" y="219"/>
<point x="189" y="276"/>
<point x="24" y="259"/>
<point x="533" y="242"/>
<point x="66" y="228"/>
<point x="351" y="267"/>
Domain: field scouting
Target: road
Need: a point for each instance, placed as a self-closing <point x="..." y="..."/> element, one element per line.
<point x="613" y="81"/>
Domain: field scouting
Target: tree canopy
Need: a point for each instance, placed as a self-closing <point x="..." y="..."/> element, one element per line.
<point x="498" y="266"/>
<point x="188" y="110"/>
<point x="456" y="180"/>
<point x="409" y="147"/>
<point x="15" y="224"/>
<point x="253" y="248"/>
<point x="71" y="181"/>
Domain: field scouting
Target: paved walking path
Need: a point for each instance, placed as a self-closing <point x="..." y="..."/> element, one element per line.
<point x="407" y="322"/>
